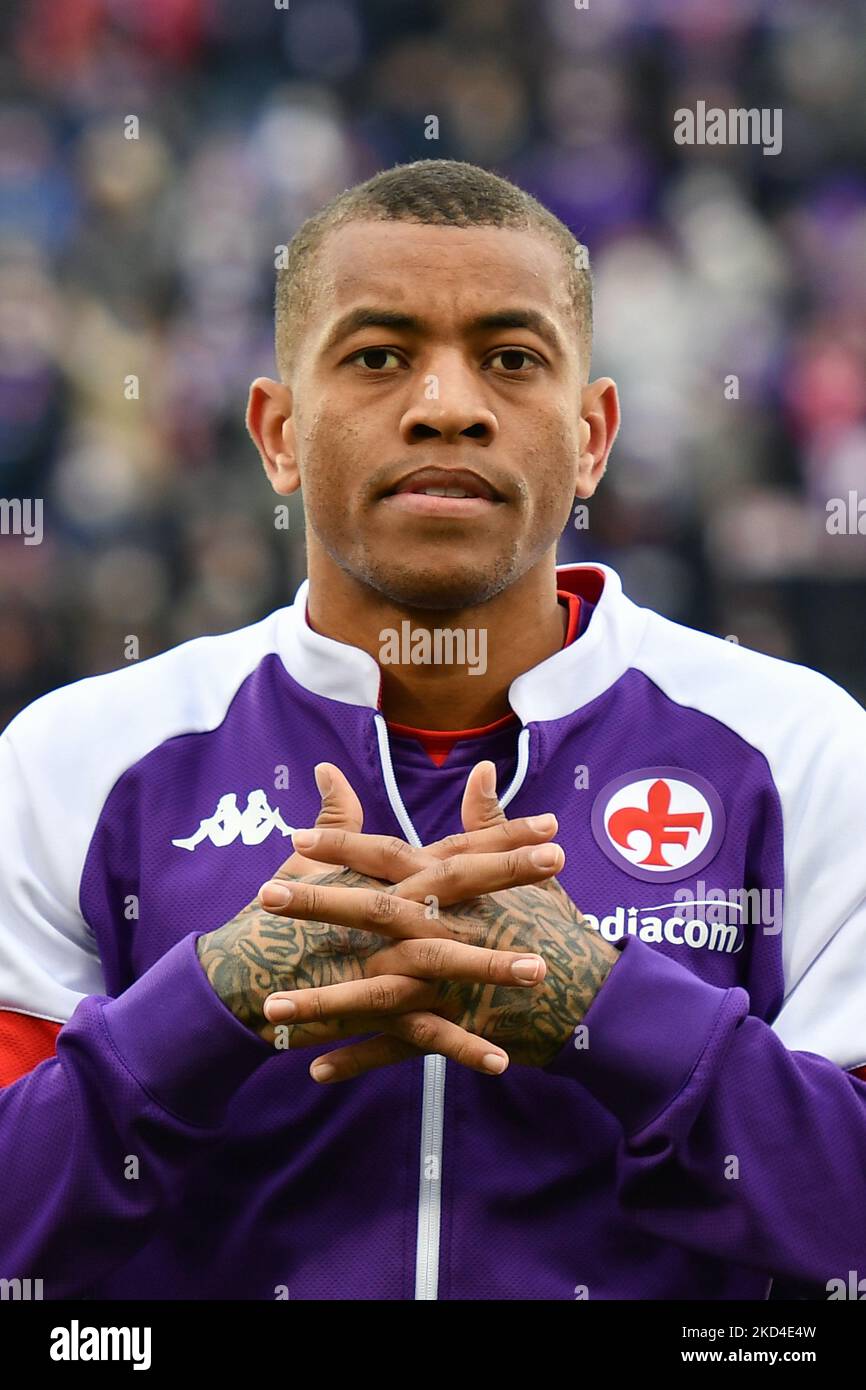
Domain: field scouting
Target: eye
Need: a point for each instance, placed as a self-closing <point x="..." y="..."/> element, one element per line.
<point x="376" y="359"/>
<point x="514" y="360"/>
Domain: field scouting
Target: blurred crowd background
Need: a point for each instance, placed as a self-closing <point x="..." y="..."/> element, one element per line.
<point x="155" y="257"/>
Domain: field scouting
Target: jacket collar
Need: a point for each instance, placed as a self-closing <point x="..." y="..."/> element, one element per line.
<point x="556" y="687"/>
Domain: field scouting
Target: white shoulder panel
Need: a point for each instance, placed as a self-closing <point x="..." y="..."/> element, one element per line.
<point x="813" y="735"/>
<point x="59" y="759"/>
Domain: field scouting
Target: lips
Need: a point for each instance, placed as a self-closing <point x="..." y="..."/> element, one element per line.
<point x="457" y="483"/>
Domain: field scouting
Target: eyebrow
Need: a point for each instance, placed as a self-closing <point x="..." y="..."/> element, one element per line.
<point x="537" y="323"/>
<point x="370" y="317"/>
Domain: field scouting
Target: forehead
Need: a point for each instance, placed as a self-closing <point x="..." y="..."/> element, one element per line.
<point x="439" y="272"/>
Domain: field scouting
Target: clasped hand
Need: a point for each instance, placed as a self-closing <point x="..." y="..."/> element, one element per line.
<point x="466" y="947"/>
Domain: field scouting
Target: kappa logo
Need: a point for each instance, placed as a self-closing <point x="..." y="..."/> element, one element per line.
<point x="659" y="823"/>
<point x="228" y="823"/>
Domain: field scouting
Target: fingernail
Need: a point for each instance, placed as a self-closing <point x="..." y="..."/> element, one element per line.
<point x="527" y="969"/>
<point x="304" y="839"/>
<point x="279" y="1009"/>
<point x="275" y="894"/>
<point x="323" y="1072"/>
<point x="324" y="781"/>
<point x="488" y="781"/>
<point x="495" y="1063"/>
<point x="542" y="825"/>
<point x="546" y="856"/>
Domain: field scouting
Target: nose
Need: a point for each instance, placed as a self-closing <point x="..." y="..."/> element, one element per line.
<point x="449" y="404"/>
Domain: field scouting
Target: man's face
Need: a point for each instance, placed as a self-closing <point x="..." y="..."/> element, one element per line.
<point x="437" y="358"/>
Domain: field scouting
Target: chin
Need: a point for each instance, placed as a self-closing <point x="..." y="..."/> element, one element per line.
<point x="465" y="586"/>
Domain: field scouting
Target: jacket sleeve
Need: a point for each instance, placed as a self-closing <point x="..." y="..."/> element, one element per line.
<point x="95" y="1139"/>
<point x="742" y="1137"/>
<point x="732" y="1144"/>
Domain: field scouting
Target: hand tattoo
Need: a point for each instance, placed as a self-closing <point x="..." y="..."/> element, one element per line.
<point x="259" y="952"/>
<point x="530" y="1024"/>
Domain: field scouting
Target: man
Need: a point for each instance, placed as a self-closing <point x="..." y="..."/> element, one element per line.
<point x="660" y="1100"/>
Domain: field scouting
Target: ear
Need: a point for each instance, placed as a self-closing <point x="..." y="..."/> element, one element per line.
<point x="599" y="424"/>
<point x="271" y="426"/>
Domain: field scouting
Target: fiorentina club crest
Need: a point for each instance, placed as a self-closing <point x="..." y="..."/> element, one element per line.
<point x="659" y="823"/>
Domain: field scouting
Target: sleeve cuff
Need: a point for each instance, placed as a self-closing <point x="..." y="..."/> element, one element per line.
<point x="646" y="1031"/>
<point x="181" y="1043"/>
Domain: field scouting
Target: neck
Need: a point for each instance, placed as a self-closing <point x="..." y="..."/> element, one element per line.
<point x="490" y="644"/>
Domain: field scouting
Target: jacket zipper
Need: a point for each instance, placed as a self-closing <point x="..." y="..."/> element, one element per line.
<point x="430" y="1180"/>
<point x="433" y="1094"/>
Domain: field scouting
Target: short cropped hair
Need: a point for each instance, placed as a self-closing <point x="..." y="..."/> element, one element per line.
<point x="436" y="192"/>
